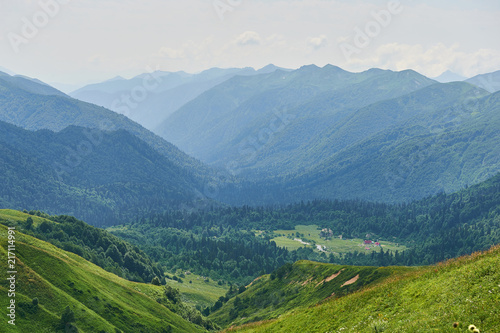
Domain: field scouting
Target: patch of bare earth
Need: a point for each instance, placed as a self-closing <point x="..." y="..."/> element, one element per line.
<point x="351" y="281"/>
<point x="307" y="281"/>
<point x="330" y="278"/>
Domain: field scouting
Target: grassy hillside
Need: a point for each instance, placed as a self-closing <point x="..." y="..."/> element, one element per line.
<point x="296" y="286"/>
<point x="431" y="299"/>
<point x="93" y="244"/>
<point x="100" y="301"/>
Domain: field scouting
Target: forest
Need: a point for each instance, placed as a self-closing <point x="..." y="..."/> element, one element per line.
<point x="221" y="242"/>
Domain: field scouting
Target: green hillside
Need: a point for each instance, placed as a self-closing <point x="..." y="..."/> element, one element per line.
<point x="297" y="286"/>
<point x="464" y="291"/>
<point x="91" y="243"/>
<point x="48" y="280"/>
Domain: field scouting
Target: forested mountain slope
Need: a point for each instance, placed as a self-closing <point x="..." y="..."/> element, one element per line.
<point x="101" y="177"/>
<point x="217" y="126"/>
<point x="33" y="108"/>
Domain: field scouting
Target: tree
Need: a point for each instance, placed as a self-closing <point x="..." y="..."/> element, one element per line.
<point x="29" y="223"/>
<point x="156" y="281"/>
<point x="67" y="317"/>
<point x="114" y="254"/>
<point x="172" y="294"/>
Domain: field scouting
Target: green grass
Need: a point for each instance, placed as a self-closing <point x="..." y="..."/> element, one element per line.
<point x="300" y="285"/>
<point x="310" y="234"/>
<point x="99" y="299"/>
<point x="199" y="292"/>
<point x="20" y="217"/>
<point x="429" y="299"/>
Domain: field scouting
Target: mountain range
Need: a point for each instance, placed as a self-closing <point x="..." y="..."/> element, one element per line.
<point x="328" y="133"/>
<point x="276" y="136"/>
<point x="84" y="160"/>
<point x="150" y="98"/>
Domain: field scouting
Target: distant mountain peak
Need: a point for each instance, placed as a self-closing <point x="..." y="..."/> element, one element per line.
<point x="449" y="76"/>
<point x="330" y="66"/>
<point x="271" y="68"/>
<point x="116" y="78"/>
<point x="308" y="68"/>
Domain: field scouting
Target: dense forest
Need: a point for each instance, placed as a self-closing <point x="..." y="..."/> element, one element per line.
<point x="221" y="242"/>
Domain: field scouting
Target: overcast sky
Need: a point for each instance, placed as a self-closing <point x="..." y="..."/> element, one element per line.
<point x="80" y="41"/>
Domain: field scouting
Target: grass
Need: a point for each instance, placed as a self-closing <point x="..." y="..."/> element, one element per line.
<point x="100" y="300"/>
<point x="311" y="234"/>
<point x="429" y="299"/>
<point x="198" y="292"/>
<point x="300" y="285"/>
<point x="20" y="217"/>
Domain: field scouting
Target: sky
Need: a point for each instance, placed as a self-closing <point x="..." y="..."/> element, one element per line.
<point x="81" y="41"/>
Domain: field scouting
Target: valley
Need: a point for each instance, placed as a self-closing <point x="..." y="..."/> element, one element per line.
<point x="311" y="236"/>
<point x="252" y="200"/>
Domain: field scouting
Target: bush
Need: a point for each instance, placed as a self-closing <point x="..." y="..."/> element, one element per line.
<point x="156" y="281"/>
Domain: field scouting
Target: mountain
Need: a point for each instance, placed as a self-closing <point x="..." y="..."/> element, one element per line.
<point x="152" y="97"/>
<point x="34" y="106"/>
<point x="431" y="151"/>
<point x="65" y="87"/>
<point x="28" y="84"/>
<point x="6" y="71"/>
<point x="447" y="297"/>
<point x="56" y="290"/>
<point x="327" y="133"/>
<point x="99" y="176"/>
<point x="449" y="76"/>
<point x="489" y="81"/>
<point x="235" y="120"/>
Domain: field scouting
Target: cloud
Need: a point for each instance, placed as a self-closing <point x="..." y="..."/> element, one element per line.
<point x="317" y="42"/>
<point x="431" y="60"/>
<point x="166" y="52"/>
<point x="95" y="59"/>
<point x="248" y="38"/>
